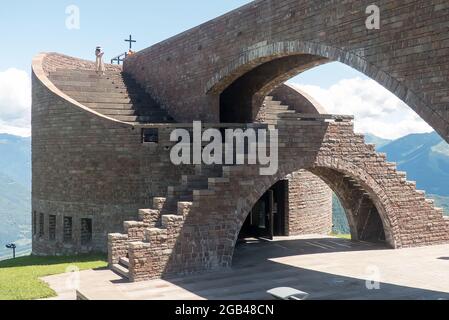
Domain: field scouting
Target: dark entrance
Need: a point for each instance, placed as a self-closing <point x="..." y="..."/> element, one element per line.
<point x="267" y="218"/>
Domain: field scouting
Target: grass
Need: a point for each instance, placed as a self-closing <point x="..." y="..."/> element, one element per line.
<point x="19" y="278"/>
<point x="341" y="236"/>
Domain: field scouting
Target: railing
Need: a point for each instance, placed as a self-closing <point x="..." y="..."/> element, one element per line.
<point x="120" y="58"/>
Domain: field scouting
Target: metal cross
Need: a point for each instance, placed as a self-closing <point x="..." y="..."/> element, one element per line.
<point x="131" y="41"/>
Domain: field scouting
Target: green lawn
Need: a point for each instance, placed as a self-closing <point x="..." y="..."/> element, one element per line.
<point x="342" y="236"/>
<point x="19" y="278"/>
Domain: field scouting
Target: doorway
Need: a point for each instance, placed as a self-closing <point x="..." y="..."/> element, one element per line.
<point x="267" y="218"/>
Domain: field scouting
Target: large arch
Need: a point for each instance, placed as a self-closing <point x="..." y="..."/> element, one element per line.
<point x="241" y="86"/>
<point x="410" y="59"/>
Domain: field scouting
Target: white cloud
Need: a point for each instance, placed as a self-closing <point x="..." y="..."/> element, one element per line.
<point x="376" y="110"/>
<point x="15" y="102"/>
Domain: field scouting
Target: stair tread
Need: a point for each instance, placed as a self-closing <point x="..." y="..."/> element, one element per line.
<point x="121" y="270"/>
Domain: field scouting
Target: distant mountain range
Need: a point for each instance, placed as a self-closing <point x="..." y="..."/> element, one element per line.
<point x="425" y="158"/>
<point x="15" y="193"/>
<point x="379" y="142"/>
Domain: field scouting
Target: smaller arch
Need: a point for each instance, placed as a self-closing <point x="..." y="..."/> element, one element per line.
<point x="324" y="167"/>
<point x="297" y="99"/>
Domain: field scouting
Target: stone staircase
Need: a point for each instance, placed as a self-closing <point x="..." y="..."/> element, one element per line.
<point x="271" y="109"/>
<point x="161" y="224"/>
<point x="149" y="248"/>
<point x="115" y="95"/>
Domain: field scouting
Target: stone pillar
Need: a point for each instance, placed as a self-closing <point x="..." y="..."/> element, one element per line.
<point x="310" y="205"/>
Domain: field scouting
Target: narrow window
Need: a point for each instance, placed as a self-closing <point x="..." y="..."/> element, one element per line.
<point x="68" y="229"/>
<point x="52" y="227"/>
<point x="41" y="225"/>
<point x="34" y="223"/>
<point x="86" y="231"/>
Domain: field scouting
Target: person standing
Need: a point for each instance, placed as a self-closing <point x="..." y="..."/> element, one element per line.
<point x="99" y="61"/>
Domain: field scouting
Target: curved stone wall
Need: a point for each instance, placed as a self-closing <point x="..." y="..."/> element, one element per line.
<point x="87" y="168"/>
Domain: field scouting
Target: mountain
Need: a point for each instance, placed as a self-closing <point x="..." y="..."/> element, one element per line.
<point x="15" y="193"/>
<point x="425" y="158"/>
<point x="15" y="158"/>
<point x="15" y="208"/>
<point x="379" y="142"/>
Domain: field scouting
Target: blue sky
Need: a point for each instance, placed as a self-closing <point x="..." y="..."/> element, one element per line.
<point x="30" y="27"/>
<point x="34" y="26"/>
<point x="40" y="26"/>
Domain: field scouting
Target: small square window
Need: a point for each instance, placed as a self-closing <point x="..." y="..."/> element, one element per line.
<point x="150" y="135"/>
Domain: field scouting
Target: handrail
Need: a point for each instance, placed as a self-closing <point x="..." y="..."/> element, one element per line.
<point x="119" y="58"/>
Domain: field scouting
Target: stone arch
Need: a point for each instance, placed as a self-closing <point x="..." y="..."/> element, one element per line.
<point x="245" y="81"/>
<point x="340" y="167"/>
<point x="297" y="99"/>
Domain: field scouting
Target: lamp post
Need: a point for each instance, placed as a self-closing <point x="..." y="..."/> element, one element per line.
<point x="13" y="247"/>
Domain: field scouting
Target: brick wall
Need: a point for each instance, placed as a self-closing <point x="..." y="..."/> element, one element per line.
<point x="389" y="209"/>
<point x="310" y="205"/>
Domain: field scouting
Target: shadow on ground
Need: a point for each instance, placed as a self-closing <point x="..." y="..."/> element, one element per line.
<point x="253" y="273"/>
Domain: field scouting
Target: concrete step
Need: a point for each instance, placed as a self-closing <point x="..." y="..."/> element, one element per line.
<point x="100" y="95"/>
<point x="171" y="204"/>
<point x="115" y="112"/>
<point x="211" y="171"/>
<point x="142" y="118"/>
<point x="81" y="83"/>
<point x="86" y="72"/>
<point x="179" y="191"/>
<point x="195" y="180"/>
<point x="277" y="108"/>
<point x="273" y="102"/>
<point x="121" y="270"/>
<point x="115" y="106"/>
<point x="152" y="114"/>
<point x="99" y="89"/>
<point x="124" y="262"/>
<point x="86" y="80"/>
<point x="84" y="99"/>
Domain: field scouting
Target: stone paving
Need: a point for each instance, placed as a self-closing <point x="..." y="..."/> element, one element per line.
<point x="325" y="267"/>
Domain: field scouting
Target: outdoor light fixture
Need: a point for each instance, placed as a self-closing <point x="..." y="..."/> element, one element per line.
<point x="13" y="247"/>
